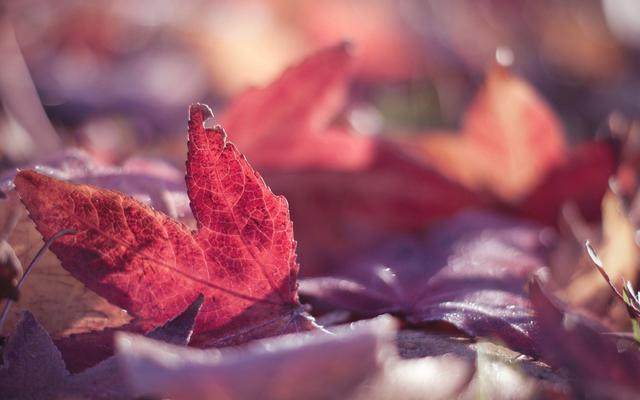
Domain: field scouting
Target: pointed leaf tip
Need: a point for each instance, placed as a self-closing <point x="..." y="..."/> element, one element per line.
<point x="178" y="330"/>
<point x="26" y="177"/>
<point x="593" y="255"/>
<point x="27" y="320"/>
<point x="32" y="366"/>
<point x="199" y="112"/>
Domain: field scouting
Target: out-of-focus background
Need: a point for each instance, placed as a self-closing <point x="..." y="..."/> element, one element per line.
<point x="115" y="77"/>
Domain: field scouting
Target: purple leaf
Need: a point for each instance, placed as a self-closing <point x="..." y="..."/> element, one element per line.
<point x="32" y="365"/>
<point x="151" y="181"/>
<point x="599" y="367"/>
<point x="470" y="272"/>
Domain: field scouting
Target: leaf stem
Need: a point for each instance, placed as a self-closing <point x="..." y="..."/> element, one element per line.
<point x="36" y="258"/>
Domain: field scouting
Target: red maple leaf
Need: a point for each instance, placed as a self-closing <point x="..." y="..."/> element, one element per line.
<point x="242" y="256"/>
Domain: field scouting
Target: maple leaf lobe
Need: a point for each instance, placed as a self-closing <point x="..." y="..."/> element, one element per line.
<point x="240" y="221"/>
<point x="120" y="243"/>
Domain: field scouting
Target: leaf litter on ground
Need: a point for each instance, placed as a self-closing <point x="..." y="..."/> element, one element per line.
<point x="242" y="256"/>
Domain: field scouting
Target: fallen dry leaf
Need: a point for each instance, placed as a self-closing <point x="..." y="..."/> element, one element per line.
<point x="242" y="256"/>
<point x="470" y="272"/>
<point x="509" y="140"/>
<point x="598" y="367"/>
<point x="33" y="367"/>
<point x="511" y="146"/>
<point x="315" y="365"/>
<point x="285" y="125"/>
